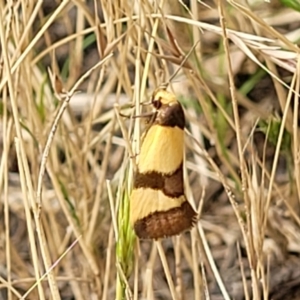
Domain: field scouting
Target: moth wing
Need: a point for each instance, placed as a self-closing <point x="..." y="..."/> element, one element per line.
<point x="162" y="150"/>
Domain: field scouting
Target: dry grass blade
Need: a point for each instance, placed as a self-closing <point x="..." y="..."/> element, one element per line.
<point x="166" y="270"/>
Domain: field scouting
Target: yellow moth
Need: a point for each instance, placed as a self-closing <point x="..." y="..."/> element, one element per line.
<point x="158" y="206"/>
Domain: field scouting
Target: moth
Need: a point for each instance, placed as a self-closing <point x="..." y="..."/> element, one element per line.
<point x="158" y="205"/>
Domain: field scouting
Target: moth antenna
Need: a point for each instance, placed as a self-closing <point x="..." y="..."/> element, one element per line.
<point x="165" y="84"/>
<point x="145" y="115"/>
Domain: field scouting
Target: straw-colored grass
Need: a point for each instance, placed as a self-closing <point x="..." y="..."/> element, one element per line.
<point x="68" y="69"/>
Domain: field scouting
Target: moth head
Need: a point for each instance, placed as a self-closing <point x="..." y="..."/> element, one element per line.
<point x="169" y="111"/>
<point x="162" y="98"/>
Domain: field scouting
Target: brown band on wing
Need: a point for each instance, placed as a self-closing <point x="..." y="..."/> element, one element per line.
<point x="171" y="115"/>
<point x="171" y="185"/>
<point x="162" y="224"/>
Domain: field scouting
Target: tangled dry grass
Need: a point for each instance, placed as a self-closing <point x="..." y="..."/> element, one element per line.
<point x="68" y="68"/>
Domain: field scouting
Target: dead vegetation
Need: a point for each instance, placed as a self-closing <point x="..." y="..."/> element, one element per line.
<point x="66" y="70"/>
